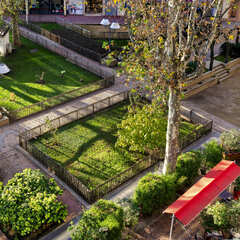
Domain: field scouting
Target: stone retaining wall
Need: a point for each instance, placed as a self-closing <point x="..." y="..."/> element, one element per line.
<point x="79" y="60"/>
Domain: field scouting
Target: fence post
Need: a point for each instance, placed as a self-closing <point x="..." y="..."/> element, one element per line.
<point x="190" y="115"/>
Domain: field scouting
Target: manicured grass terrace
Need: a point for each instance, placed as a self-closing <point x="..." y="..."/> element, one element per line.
<point x="50" y="26"/>
<point x="87" y="147"/>
<point x="27" y="64"/>
<point x="221" y="58"/>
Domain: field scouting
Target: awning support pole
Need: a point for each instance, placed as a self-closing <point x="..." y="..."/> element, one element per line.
<point x="171" y="229"/>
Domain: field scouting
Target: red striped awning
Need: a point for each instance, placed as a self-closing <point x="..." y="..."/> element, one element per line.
<point x="192" y="202"/>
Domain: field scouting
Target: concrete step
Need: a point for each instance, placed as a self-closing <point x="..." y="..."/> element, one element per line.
<point x="199" y="88"/>
<point x="222" y="75"/>
<point x="218" y="66"/>
<point x="224" y="78"/>
<point x="197" y="83"/>
<point x="221" y="70"/>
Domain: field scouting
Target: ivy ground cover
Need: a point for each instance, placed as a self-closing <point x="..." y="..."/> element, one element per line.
<point x="87" y="147"/>
<point x="19" y="88"/>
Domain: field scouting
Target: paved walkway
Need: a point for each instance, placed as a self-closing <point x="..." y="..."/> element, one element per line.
<point x="220" y="102"/>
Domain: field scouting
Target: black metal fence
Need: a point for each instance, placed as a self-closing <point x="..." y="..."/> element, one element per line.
<point x="59" y="99"/>
<point x="109" y="185"/>
<point x="87" y="47"/>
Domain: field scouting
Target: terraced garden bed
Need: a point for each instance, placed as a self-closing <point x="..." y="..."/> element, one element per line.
<point x="32" y="63"/>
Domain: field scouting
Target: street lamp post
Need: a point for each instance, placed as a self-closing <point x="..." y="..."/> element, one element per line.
<point x="115" y="26"/>
<point x="105" y="22"/>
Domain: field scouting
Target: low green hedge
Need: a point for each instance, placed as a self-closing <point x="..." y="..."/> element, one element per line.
<point x="212" y="153"/>
<point x="154" y="191"/>
<point x="103" y="221"/>
<point x="188" y="165"/>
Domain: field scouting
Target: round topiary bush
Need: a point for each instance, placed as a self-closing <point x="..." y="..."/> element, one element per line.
<point x="212" y="153"/>
<point x="188" y="165"/>
<point x="28" y="203"/>
<point x="103" y="221"/>
<point x="154" y="191"/>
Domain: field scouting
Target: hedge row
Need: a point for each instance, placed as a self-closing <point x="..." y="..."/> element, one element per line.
<point x="155" y="191"/>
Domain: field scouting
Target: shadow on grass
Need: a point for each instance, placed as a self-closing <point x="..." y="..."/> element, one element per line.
<point x="25" y="65"/>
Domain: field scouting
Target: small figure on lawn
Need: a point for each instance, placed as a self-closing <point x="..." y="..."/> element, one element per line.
<point x="12" y="97"/>
<point x="62" y="73"/>
<point x="40" y="79"/>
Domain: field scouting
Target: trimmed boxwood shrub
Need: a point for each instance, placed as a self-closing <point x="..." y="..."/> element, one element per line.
<point x="103" y="221"/>
<point x="28" y="203"/>
<point x="191" y="67"/>
<point x="212" y="153"/>
<point x="234" y="50"/>
<point x="154" y="191"/>
<point x="188" y="165"/>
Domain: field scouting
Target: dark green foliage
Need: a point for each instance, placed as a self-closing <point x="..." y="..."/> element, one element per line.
<point x="223" y="216"/>
<point x="28" y="202"/>
<point x="131" y="212"/>
<point x="103" y="221"/>
<point x="212" y="153"/>
<point x="154" y="191"/>
<point x="234" y="50"/>
<point x="191" y="67"/>
<point x="144" y="130"/>
<point x="237" y="184"/>
<point x="188" y="165"/>
<point x="207" y="221"/>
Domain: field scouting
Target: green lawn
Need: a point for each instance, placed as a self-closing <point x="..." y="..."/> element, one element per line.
<point x="221" y="58"/>
<point x="50" y="26"/>
<point x="87" y="147"/>
<point x="27" y="64"/>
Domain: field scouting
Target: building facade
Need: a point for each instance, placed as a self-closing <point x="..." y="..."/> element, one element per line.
<point x="76" y="7"/>
<point x="234" y="13"/>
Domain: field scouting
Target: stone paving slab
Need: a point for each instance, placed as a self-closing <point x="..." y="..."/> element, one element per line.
<point x="220" y="102"/>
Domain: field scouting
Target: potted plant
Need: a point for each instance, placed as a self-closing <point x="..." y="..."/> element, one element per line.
<point x="237" y="189"/>
<point x="231" y="144"/>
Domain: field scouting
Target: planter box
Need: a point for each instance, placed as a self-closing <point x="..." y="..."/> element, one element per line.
<point x="233" y="156"/>
<point x="236" y="195"/>
<point x="4" y="121"/>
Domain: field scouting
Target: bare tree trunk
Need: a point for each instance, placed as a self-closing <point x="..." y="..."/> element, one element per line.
<point x="172" y="142"/>
<point x="15" y="32"/>
<point x="212" y="56"/>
